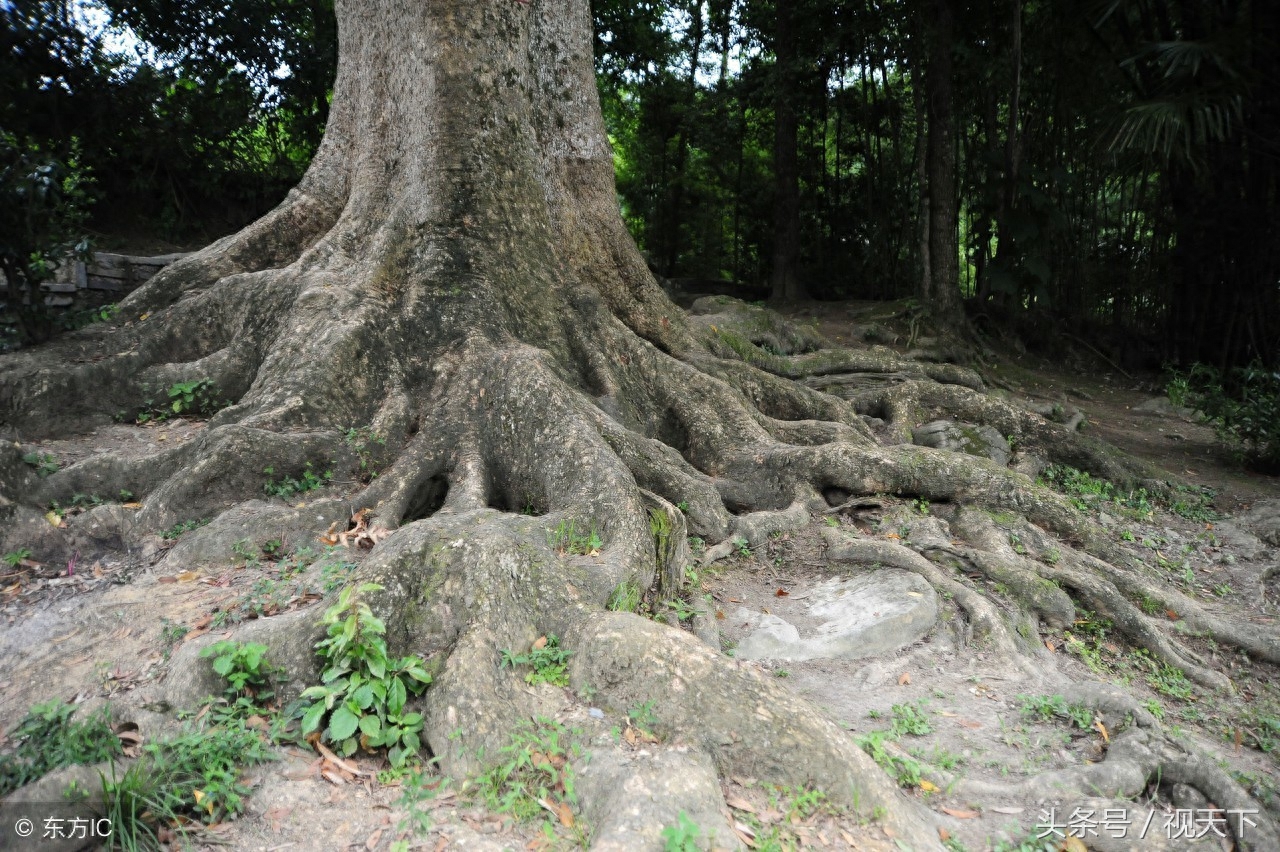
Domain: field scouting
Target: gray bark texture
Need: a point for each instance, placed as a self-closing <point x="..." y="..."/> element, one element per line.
<point x="453" y="276"/>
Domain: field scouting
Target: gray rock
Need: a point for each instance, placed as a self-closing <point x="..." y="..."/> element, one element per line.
<point x="631" y="797"/>
<point x="1263" y="520"/>
<point x="863" y="616"/>
<point x="1027" y="464"/>
<point x="1245" y="545"/>
<point x="1161" y="406"/>
<point x="968" y="438"/>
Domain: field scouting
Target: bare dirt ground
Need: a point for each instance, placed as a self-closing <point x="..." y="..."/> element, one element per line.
<point x="962" y="735"/>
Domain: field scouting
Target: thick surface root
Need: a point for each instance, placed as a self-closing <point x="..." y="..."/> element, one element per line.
<point x="535" y="455"/>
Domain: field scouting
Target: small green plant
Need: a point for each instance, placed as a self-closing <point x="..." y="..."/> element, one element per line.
<point x="194" y="774"/>
<point x="178" y="529"/>
<point x="1170" y="680"/>
<point x="1088" y="493"/>
<point x="366" y="443"/>
<point x="170" y="635"/>
<point x="335" y="573"/>
<point x="643" y="717"/>
<point x="1263" y="730"/>
<point x="244" y="667"/>
<point x="831" y="521"/>
<point x="14" y="557"/>
<point x="1155" y="708"/>
<point x="364" y="691"/>
<point x="534" y="768"/>
<point x="548" y="662"/>
<point x="921" y="505"/>
<point x="287" y="486"/>
<point x="1047" y="708"/>
<point x="625" y="597"/>
<point x="566" y="538"/>
<point x="675" y="611"/>
<point x="1195" y="503"/>
<point x="684" y="836"/>
<point x="910" y="719"/>
<point x="197" y="398"/>
<point x="907" y="771"/>
<point x="1030" y="842"/>
<point x="245" y="551"/>
<point x="49" y="738"/>
<point x="44" y="463"/>
<point x="416" y="788"/>
<point x="743" y="547"/>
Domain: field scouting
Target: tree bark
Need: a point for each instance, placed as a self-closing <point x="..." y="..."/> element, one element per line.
<point x="942" y="297"/>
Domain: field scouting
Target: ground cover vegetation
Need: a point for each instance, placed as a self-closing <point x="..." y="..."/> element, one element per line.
<point x="444" y="347"/>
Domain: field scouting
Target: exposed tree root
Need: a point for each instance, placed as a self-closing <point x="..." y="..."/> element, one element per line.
<point x="493" y="327"/>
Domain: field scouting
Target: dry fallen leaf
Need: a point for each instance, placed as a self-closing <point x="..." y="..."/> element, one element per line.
<point x="745" y="834"/>
<point x="960" y="814"/>
<point x="1071" y="843"/>
<point x="539" y="643"/>
<point x="1102" y="729"/>
<point x="335" y="760"/>
<point x="739" y="804"/>
<point x="928" y="786"/>
<point x="781" y="593"/>
<point x="904" y="679"/>
<point x="1006" y="810"/>
<point x="372" y="842"/>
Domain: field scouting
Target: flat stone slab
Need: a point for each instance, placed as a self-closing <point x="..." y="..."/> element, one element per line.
<point x="845" y="618"/>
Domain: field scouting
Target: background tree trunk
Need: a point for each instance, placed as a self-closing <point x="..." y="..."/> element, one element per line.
<point x="785" y="280"/>
<point x="942" y="298"/>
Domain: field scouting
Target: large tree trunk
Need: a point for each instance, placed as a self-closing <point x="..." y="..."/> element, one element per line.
<point x="453" y="275"/>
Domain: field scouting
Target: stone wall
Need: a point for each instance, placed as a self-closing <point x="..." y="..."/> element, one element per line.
<point x="107" y="278"/>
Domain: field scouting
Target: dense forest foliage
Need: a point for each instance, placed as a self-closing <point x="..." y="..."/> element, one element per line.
<point x="1109" y="170"/>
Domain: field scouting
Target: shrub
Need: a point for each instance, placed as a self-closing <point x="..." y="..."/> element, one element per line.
<point x="1243" y="406"/>
<point x="44" y="200"/>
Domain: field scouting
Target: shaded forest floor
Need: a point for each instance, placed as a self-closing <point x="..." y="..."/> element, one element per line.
<point x="104" y="631"/>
